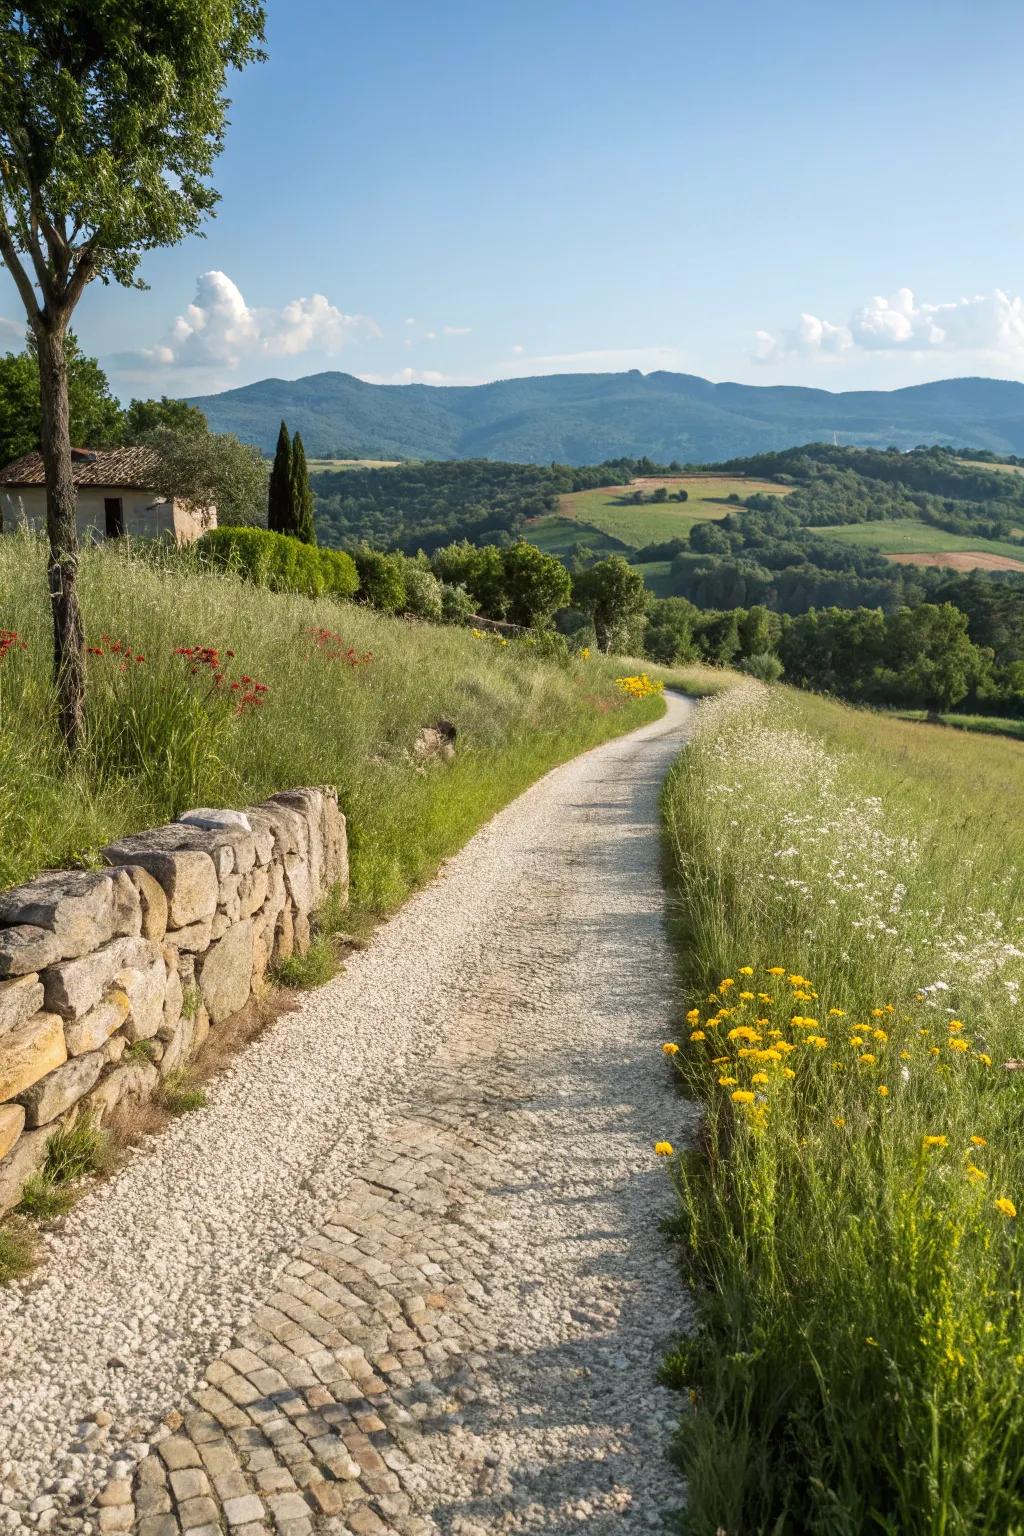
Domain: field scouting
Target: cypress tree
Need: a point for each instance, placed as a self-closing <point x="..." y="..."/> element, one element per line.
<point x="279" y="514"/>
<point x="301" y="495"/>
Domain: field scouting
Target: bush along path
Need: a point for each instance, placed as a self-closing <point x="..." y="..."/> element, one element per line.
<point x="401" y="1274"/>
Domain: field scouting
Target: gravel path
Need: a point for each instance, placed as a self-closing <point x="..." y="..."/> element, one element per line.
<point x="403" y="1274"/>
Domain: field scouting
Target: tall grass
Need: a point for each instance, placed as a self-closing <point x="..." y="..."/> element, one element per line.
<point x="163" y="734"/>
<point x="851" y="916"/>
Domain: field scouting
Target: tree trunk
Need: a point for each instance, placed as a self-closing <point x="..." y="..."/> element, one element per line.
<point x="62" y="530"/>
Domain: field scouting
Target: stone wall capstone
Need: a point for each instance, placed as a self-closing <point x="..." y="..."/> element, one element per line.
<point x="163" y="945"/>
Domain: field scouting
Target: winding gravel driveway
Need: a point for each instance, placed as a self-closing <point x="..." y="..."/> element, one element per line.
<point x="403" y="1274"/>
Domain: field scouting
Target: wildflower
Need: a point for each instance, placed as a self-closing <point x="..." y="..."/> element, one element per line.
<point x="856" y="1040"/>
<point x="868" y="1059"/>
<point x="978" y="1141"/>
<point x="879" y="1034"/>
<point x="776" y="970"/>
<point x="717" y="1061"/>
<point x="758" y="1077"/>
<point x="788" y="1072"/>
<point x="743" y="1096"/>
<point x="744" y="1032"/>
<point x="585" y="653"/>
<point x="728" y="1082"/>
<point x="869" y="1340"/>
<point x="883" y="1091"/>
<point x="818" y="1041"/>
<point x="933" y="1050"/>
<point x="975" y="1174"/>
<point x="747" y="997"/>
<point x="1005" y="1207"/>
<point x="837" y="1013"/>
<point x="904" y="1055"/>
<point x="723" y="986"/>
<point x="877" y="1013"/>
<point x="663" y="1148"/>
<point x="935" y="1141"/>
<point x="764" y="997"/>
<point x="670" y="1048"/>
<point x="960" y="1045"/>
<point x="955" y="1025"/>
<point x="986" y="1061"/>
<point x="693" y="1015"/>
<point x="839" y="1121"/>
<point x="746" y="970"/>
<point x="697" y="1034"/>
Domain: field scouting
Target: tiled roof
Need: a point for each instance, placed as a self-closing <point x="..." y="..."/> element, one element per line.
<point x="124" y="468"/>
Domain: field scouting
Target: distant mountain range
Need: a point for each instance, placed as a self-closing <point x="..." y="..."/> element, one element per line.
<point x="583" y="418"/>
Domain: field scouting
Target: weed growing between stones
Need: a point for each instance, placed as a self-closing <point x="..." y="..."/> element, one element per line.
<point x="848" y="1220"/>
<point x="321" y="961"/>
<point x="18" y="1251"/>
<point x="179" y="1093"/>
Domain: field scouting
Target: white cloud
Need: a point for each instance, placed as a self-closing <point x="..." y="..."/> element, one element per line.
<point x="518" y="348"/>
<point x="988" y="325"/>
<point x="431" y="335"/>
<point x="410" y="322"/>
<point x="220" y="330"/>
<point x="456" y="330"/>
<point x="406" y="376"/>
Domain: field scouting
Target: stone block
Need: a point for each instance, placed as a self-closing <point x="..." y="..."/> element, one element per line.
<point x="94" y="1028"/>
<point x="284" y="936"/>
<point x="252" y="890"/>
<point x="28" y="1157"/>
<point x="285" y="826"/>
<point x="25" y="947"/>
<point x="134" y="1080"/>
<point x="260" y="957"/>
<point x="192" y="939"/>
<point x="81" y="908"/>
<point x="299" y="883"/>
<point x="303" y="933"/>
<point x="19" y="999"/>
<point x="308" y="805"/>
<point x="224" y="973"/>
<point x="227" y="897"/>
<point x="153" y="902"/>
<point x="188" y="876"/>
<point x="335" y="845"/>
<point x="30" y="1052"/>
<point x="146" y="990"/>
<point x="74" y="986"/>
<point x="174" y="994"/>
<point x="60" y="1090"/>
<point x="219" y="926"/>
<point x="12" y="1123"/>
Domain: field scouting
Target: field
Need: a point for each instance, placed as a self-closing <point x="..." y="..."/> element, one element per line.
<point x="346" y="693"/>
<point x="604" y="519"/>
<point x="987" y="725"/>
<point x="907" y="537"/>
<point x="315" y="465"/>
<point x="1006" y="469"/>
<point x="850" y="911"/>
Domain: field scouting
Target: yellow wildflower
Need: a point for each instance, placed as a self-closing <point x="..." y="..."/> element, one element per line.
<point x="986" y="1061"/>
<point x="837" y="1013"/>
<point x="693" y="1015"/>
<point x="717" y="1061"/>
<point x="728" y="1082"/>
<point x="744" y="1032"/>
<point x="747" y="997"/>
<point x="759" y="1077"/>
<point x="935" y="1141"/>
<point x="976" y="1174"/>
<point x="670" y="1048"/>
<point x="955" y="1025"/>
<point x="1005" y="1207"/>
<point x="663" y="1148"/>
<point x="839" y="1121"/>
<point x="959" y="1045"/>
<point x="818" y="1041"/>
<point x="876" y="1013"/>
<point x="776" y="970"/>
<point x="856" y="1040"/>
<point x="933" y="1050"/>
<point x="788" y="1072"/>
<point x="743" y="1096"/>
<point x="868" y="1059"/>
<point x="883" y="1091"/>
<point x="978" y="1141"/>
<point x="764" y="997"/>
<point x="723" y="986"/>
<point x="697" y="1034"/>
<point x="880" y="1034"/>
<point x="746" y="970"/>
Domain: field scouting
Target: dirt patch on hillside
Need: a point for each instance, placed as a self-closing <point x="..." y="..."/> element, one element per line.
<point x="961" y="560"/>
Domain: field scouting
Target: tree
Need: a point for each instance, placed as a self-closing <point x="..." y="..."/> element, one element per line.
<point x="145" y="416"/>
<point x="111" y="117"/>
<point x="95" y="418"/>
<point x="300" y="496"/>
<point x="279" y="499"/>
<point x="931" y="658"/>
<point x="613" y="593"/>
<point x="210" y="469"/>
<point x="536" y="583"/>
<point x="669" y="634"/>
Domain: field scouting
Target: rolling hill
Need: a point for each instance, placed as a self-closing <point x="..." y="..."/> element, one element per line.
<point x="582" y="418"/>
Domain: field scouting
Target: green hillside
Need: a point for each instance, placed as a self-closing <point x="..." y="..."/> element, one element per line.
<point x="908" y="536"/>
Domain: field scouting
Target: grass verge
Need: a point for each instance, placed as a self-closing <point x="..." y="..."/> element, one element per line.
<point x="850" y="907"/>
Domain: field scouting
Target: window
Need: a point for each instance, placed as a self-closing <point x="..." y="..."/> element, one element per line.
<point x="113" y="508"/>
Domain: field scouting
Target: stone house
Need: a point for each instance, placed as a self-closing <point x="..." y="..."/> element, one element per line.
<point x="115" y="497"/>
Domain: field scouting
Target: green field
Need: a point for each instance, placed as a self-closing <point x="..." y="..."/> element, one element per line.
<point x="987" y="725"/>
<point x="316" y="466"/>
<point x="908" y="536"/>
<point x="610" y="511"/>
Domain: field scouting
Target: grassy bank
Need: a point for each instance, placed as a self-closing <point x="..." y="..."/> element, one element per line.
<point x="308" y="692"/>
<point x="987" y="725"/>
<point x="851" y="916"/>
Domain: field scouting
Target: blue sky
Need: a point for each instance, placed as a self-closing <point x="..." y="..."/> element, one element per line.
<point x="821" y="194"/>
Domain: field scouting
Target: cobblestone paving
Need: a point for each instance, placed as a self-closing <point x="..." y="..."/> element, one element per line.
<point x="469" y="1342"/>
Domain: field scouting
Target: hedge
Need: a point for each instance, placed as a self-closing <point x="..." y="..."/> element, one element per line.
<point x="280" y="562"/>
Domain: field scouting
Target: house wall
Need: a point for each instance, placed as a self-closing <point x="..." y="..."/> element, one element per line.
<point x="144" y="515"/>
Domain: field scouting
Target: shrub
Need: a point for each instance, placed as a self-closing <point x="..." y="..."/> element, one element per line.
<point x="457" y="605"/>
<point x="381" y="580"/>
<point x="280" y="562"/>
<point x="423" y="595"/>
<point x="766" y="667"/>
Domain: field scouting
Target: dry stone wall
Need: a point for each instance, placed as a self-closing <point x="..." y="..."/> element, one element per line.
<point x="162" y="946"/>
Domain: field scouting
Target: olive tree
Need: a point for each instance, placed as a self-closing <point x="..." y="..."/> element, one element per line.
<point x="111" y="117"/>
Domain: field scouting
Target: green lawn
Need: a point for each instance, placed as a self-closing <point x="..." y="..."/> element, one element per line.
<point x="558" y="535"/>
<point x="988" y="725"/>
<point x="908" y="536"/>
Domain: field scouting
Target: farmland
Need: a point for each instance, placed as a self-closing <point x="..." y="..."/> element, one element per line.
<point x="900" y="537"/>
<point x="607" y="519"/>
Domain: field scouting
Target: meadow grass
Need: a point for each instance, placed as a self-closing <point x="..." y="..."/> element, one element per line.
<point x="610" y="512"/>
<point x="909" y="536"/>
<point x="987" y="725"/>
<point x="347" y="692"/>
<point x="850" y="908"/>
